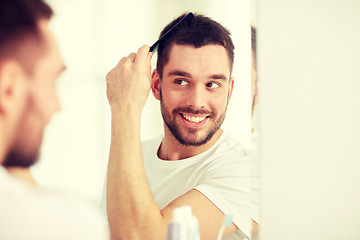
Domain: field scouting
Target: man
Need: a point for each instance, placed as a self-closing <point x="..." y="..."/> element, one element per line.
<point x="195" y="163"/>
<point x="30" y="63"/>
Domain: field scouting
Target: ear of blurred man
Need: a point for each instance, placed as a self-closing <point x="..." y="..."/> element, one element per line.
<point x="13" y="94"/>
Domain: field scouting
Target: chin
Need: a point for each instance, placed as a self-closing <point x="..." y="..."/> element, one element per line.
<point x="195" y="139"/>
<point x="18" y="158"/>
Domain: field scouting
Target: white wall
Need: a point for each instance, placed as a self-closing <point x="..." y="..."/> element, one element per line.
<point x="93" y="35"/>
<point x="308" y="69"/>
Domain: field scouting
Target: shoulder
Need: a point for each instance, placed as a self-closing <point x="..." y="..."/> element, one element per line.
<point x="149" y="146"/>
<point x="152" y="142"/>
<point x="43" y="214"/>
<point x="229" y="148"/>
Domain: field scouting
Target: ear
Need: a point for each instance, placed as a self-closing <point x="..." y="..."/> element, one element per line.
<point x="231" y="87"/>
<point x="155" y="85"/>
<point x="12" y="86"/>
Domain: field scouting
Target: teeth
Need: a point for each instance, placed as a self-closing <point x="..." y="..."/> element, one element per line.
<point x="194" y="119"/>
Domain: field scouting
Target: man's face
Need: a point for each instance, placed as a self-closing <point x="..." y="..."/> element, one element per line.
<point x="194" y="92"/>
<point x="42" y="103"/>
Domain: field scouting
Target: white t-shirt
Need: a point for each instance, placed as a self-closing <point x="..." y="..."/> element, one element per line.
<point x="35" y="213"/>
<point x="222" y="174"/>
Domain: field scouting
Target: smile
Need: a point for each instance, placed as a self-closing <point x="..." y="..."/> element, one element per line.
<point x="193" y="119"/>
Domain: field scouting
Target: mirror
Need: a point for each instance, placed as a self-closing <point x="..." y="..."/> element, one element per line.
<point x="93" y="35"/>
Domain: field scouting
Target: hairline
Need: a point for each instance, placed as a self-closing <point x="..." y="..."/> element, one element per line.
<point x="173" y="43"/>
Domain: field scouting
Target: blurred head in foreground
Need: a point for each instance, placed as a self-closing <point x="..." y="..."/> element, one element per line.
<point x="30" y="63"/>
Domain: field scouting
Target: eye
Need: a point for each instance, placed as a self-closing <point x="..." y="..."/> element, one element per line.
<point x="181" y="82"/>
<point x="212" y="85"/>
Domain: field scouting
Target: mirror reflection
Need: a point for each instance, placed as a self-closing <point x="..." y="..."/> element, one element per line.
<point x="159" y="140"/>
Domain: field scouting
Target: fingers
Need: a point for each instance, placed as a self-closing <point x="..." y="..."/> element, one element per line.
<point x="139" y="60"/>
<point x="143" y="54"/>
<point x="130" y="81"/>
<point x="122" y="60"/>
<point x="132" y="57"/>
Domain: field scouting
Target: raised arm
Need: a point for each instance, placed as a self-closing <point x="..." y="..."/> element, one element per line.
<point x="130" y="205"/>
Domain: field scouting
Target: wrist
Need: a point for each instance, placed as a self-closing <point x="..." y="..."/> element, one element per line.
<point x="125" y="118"/>
<point x="119" y="110"/>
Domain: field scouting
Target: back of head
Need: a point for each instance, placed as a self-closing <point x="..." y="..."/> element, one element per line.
<point x="197" y="31"/>
<point x="19" y="26"/>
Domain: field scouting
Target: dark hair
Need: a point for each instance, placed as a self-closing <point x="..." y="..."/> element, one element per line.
<point x="197" y="31"/>
<point x="19" y="25"/>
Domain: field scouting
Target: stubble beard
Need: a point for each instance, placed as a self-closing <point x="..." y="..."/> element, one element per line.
<point x="194" y="140"/>
<point x="22" y="153"/>
<point x="18" y="158"/>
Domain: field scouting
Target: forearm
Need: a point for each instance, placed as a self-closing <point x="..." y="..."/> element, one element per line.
<point x="132" y="211"/>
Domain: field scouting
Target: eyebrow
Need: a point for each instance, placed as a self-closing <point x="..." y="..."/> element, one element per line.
<point x="218" y="77"/>
<point x="186" y="74"/>
<point x="179" y="73"/>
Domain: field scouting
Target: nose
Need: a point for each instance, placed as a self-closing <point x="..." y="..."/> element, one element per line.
<point x="196" y="97"/>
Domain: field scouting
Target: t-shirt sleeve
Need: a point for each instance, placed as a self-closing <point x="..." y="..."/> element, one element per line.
<point x="227" y="184"/>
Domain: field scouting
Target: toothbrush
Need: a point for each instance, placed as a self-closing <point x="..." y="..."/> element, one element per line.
<point x="227" y="220"/>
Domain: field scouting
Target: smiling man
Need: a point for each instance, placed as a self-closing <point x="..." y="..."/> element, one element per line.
<point x="195" y="163"/>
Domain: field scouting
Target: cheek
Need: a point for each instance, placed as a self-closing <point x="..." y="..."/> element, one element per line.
<point x="171" y="98"/>
<point x="29" y="127"/>
<point x="219" y="103"/>
<point x="45" y="101"/>
<point x="219" y="106"/>
<point x="35" y="113"/>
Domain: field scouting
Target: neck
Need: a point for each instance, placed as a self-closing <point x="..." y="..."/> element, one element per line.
<point x="171" y="149"/>
<point x="3" y="143"/>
